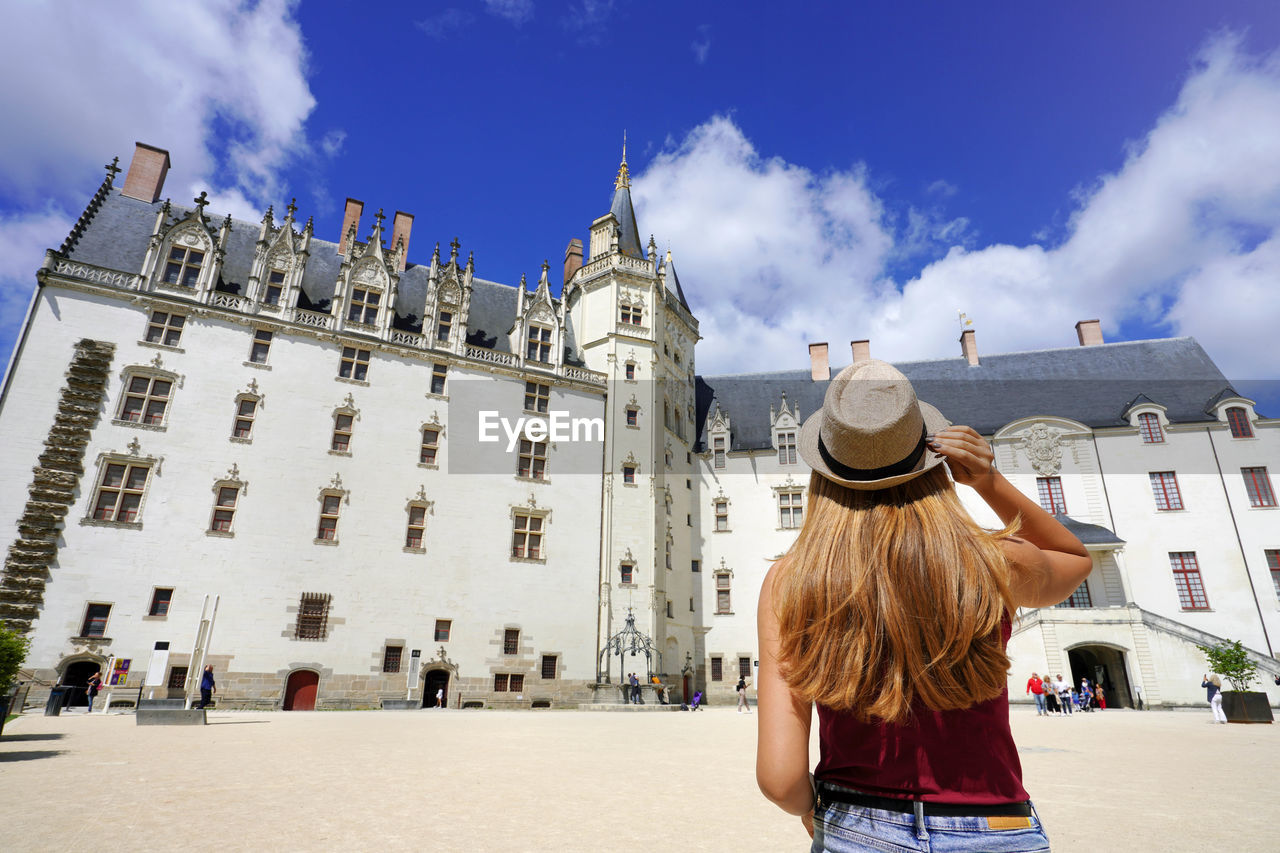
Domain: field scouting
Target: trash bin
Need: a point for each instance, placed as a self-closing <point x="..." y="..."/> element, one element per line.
<point x="57" y="696"/>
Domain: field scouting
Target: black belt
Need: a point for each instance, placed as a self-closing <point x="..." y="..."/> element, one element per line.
<point x="826" y="793"/>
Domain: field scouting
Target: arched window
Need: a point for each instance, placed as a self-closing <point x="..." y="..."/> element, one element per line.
<point x="1238" y="420"/>
<point x="1149" y="427"/>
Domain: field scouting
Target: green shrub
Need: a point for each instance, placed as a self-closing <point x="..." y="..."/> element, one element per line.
<point x="13" y="651"/>
<point x="1230" y="660"/>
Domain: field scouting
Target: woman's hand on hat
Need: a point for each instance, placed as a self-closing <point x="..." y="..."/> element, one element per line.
<point x="968" y="455"/>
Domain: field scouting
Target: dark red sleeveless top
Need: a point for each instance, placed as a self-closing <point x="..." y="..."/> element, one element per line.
<point x="964" y="756"/>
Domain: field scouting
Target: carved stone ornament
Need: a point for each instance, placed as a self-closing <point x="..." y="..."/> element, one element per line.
<point x="1043" y="447"/>
<point x="369" y="273"/>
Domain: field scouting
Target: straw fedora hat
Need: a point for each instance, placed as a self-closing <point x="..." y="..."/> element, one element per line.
<point x="870" y="432"/>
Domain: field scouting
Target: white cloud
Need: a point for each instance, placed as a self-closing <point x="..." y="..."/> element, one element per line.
<point x="516" y="11"/>
<point x="1183" y="236"/>
<point x="702" y="45"/>
<point x="442" y="25"/>
<point x="331" y="143"/>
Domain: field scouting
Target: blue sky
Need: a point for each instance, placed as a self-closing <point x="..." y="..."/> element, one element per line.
<point x="819" y="171"/>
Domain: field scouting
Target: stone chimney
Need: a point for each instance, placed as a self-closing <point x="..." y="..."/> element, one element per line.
<point x="401" y="227"/>
<point x="819" y="368"/>
<point x="572" y="259"/>
<point x="145" y="180"/>
<point x="861" y="350"/>
<point x="1089" y="332"/>
<point x="969" y="347"/>
<point x="351" y="217"/>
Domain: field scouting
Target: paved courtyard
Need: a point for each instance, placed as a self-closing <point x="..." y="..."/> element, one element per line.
<point x="571" y="781"/>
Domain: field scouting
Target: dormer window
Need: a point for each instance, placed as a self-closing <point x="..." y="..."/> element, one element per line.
<point x="539" y="346"/>
<point x="184" y="266"/>
<point x="1238" y="420"/>
<point x="786" y="448"/>
<point x="717" y="451"/>
<point x="364" y="306"/>
<point x="1149" y="428"/>
<point x="444" y="325"/>
<point x="275" y="287"/>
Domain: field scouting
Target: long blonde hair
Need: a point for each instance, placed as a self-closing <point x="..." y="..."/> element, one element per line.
<point x="892" y="595"/>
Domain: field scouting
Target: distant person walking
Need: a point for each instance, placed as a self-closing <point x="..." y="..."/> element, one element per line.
<point x="742" y="696"/>
<point x="440" y="697"/>
<point x="1101" y="698"/>
<point x="1050" y="697"/>
<point x="1036" y="688"/>
<point x="207" y="686"/>
<point x="92" y="687"/>
<point x="635" y="689"/>
<point x="1086" y="695"/>
<point x="1213" y="687"/>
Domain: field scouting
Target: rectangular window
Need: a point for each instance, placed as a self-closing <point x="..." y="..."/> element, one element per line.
<point x="723" y="590"/>
<point x="246" y="410"/>
<point x="177" y="677"/>
<point x="329" y="508"/>
<point x="630" y="315"/>
<point x="1164" y="484"/>
<point x="165" y="328"/>
<point x="629" y="474"/>
<point x="160" y="600"/>
<point x="1238" y="420"/>
<point x="364" y="306"/>
<point x="391" y="658"/>
<point x="120" y="493"/>
<point x="313" y="616"/>
<point x="184" y="266"/>
<point x="517" y="683"/>
<point x="717" y="445"/>
<point x="1079" y="598"/>
<point x="632" y="415"/>
<point x="539" y="345"/>
<point x="430" y="446"/>
<point x="417" y="527"/>
<point x="791" y="509"/>
<point x="444" y="325"/>
<point x="1050" y="491"/>
<point x="1186" y="577"/>
<point x="438" y="374"/>
<point x="690" y="604"/>
<point x="537" y="397"/>
<point x="1149" y="427"/>
<point x="499" y="682"/>
<point x="717" y="669"/>
<point x="1258" y="484"/>
<point x="145" y="400"/>
<point x="526" y="537"/>
<point x="722" y="515"/>
<point x="532" y="461"/>
<point x="627" y="571"/>
<point x="548" y="666"/>
<point x="342" y="433"/>
<point x="786" y="448"/>
<point x="744" y="667"/>
<point x="443" y="627"/>
<point x="630" y="372"/>
<point x="224" y="509"/>
<point x="275" y="287"/>
<point x="1273" y="563"/>
<point x="95" y="620"/>
<point x="354" y="364"/>
<point x="261" y="346"/>
<point x="511" y="641"/>
<point x="696" y="565"/>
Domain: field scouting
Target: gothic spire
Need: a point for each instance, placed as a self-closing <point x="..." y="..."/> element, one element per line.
<point x="628" y="233"/>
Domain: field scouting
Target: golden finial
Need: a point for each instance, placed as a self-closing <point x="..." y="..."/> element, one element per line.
<point x="623" y="181"/>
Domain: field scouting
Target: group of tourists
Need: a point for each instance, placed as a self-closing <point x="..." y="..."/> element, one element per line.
<point x="1057" y="696"/>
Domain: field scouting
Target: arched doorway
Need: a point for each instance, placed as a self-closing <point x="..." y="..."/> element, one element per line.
<point x="1103" y="665"/>
<point x="300" y="690"/>
<point x="435" y="681"/>
<point x="76" y="676"/>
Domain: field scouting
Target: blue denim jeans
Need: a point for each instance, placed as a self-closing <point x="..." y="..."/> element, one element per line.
<point x="845" y="828"/>
<point x="1039" y="703"/>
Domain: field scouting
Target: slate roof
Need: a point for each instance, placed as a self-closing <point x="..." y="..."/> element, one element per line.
<point x="673" y="284"/>
<point x="1089" y="534"/>
<point x="116" y="237"/>
<point x="1092" y="385"/>
<point x="629" y="236"/>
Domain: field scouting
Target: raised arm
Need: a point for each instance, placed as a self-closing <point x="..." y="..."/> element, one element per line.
<point x="1048" y="561"/>
<point x="782" y="746"/>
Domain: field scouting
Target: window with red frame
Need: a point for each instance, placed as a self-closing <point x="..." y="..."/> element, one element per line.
<point x="120" y="495"/>
<point x="717" y="669"/>
<point x="341" y="442"/>
<point x="417" y="526"/>
<point x="1079" y="598"/>
<point x="246" y="411"/>
<point x="430" y="446"/>
<point x="1258" y="484"/>
<point x="517" y="682"/>
<point x="1273" y="563"/>
<point x="329" y="508"/>
<point x="1164" y="485"/>
<point x="1149" y="427"/>
<point x="1238" y="420"/>
<point x="499" y="682"/>
<point x="224" y="510"/>
<point x="145" y="400"/>
<point x="95" y="620"/>
<point x="526" y="536"/>
<point x="1186" y="577"/>
<point x="511" y="641"/>
<point x="548" y="666"/>
<point x="443" y="627"/>
<point x="1050" y="490"/>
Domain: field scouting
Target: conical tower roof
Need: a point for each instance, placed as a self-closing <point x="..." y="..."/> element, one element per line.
<point x="629" y="236"/>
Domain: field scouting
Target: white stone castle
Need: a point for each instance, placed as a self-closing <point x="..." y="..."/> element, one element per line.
<point x="400" y="481"/>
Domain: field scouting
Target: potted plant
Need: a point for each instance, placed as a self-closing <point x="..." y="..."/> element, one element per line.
<point x="13" y="651"/>
<point x="1241" y="705"/>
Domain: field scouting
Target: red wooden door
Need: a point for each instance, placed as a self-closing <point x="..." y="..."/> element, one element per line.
<point x="300" y="691"/>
